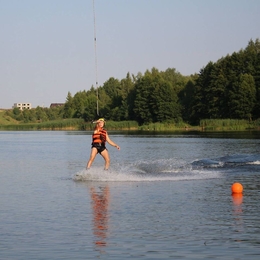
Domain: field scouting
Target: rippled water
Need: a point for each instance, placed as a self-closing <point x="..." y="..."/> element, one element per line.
<point x="164" y="196"/>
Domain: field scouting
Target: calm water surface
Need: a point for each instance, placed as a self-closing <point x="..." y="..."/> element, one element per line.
<point x="164" y="196"/>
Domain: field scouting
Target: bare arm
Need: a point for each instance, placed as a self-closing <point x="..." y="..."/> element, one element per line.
<point x="112" y="143"/>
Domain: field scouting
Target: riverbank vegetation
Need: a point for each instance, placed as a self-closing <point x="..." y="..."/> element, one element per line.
<point x="224" y="95"/>
<point x="80" y="124"/>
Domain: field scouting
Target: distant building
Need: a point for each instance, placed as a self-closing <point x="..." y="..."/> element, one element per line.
<point x="22" y="106"/>
<point x="56" y="104"/>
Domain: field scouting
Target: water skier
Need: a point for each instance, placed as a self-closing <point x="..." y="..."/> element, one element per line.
<point x="99" y="139"/>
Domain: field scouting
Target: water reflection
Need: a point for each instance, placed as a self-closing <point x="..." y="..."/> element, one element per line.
<point x="100" y="204"/>
<point x="237" y="201"/>
<point x="238" y="211"/>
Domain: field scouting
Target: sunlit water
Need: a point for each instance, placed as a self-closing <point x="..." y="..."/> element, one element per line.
<point x="164" y="196"/>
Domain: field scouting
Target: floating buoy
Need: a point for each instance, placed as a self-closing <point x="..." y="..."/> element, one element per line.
<point x="237" y="188"/>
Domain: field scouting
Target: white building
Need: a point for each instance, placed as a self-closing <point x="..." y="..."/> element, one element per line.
<point x="23" y="106"/>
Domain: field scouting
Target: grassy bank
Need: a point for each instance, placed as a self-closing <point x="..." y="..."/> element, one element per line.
<point x="66" y="124"/>
<point x="6" y="120"/>
<point x="113" y="125"/>
<point x="8" y="123"/>
<point x="79" y="124"/>
<point x="167" y="126"/>
<point x="229" y="125"/>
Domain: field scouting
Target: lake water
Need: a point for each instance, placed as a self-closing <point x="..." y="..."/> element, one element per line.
<point x="164" y="196"/>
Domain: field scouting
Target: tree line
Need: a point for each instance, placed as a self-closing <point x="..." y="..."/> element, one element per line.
<point x="228" y="88"/>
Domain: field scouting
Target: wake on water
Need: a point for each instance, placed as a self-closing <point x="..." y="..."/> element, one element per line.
<point x="168" y="169"/>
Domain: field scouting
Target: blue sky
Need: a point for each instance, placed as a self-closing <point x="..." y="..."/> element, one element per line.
<point x="47" y="46"/>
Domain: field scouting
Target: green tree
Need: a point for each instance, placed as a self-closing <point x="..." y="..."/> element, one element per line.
<point x="155" y="99"/>
<point x="215" y="93"/>
<point x="80" y="101"/>
<point x="252" y="62"/>
<point x="69" y="109"/>
<point x="142" y="107"/>
<point x="90" y="112"/>
<point x="186" y="98"/>
<point x="199" y="108"/>
<point x="175" y="78"/>
<point x="256" y="111"/>
<point x="54" y="113"/>
<point x="127" y="86"/>
<point x="40" y="114"/>
<point x="242" y="97"/>
<point x="166" y="105"/>
<point x="17" y="114"/>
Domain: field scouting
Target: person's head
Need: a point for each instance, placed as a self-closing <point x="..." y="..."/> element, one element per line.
<point x="101" y="122"/>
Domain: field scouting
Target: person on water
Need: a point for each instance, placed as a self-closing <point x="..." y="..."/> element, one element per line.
<point x="99" y="139"/>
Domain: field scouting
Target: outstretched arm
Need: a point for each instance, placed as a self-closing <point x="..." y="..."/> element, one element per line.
<point x="112" y="143"/>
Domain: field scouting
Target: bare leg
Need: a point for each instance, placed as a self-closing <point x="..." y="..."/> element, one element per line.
<point x="92" y="157"/>
<point x="106" y="157"/>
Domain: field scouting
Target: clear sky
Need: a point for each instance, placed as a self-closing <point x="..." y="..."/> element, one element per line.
<point x="47" y="46"/>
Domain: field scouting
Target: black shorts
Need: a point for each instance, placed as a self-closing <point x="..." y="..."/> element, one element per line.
<point x="100" y="147"/>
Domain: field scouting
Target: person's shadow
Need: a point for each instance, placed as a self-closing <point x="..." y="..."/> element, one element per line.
<point x="100" y="204"/>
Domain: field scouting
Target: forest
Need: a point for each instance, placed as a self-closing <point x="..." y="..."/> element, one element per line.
<point x="226" y="89"/>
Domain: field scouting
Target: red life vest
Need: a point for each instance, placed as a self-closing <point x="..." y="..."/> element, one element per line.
<point x="99" y="137"/>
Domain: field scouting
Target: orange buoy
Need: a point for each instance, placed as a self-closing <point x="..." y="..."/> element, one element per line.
<point x="237" y="187"/>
